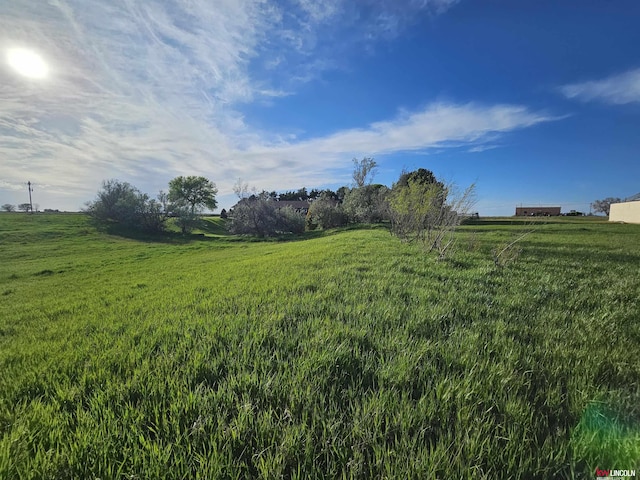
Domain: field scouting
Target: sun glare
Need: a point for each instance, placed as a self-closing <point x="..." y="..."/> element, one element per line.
<point x="27" y="63"/>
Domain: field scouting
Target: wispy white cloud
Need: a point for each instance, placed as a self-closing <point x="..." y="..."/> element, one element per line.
<point x="145" y="91"/>
<point x="11" y="186"/>
<point x="616" y="89"/>
<point x="326" y="160"/>
<point x="323" y="35"/>
<point x="320" y="11"/>
<point x="482" y="148"/>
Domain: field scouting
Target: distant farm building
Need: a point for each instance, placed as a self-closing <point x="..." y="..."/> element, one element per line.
<point x="627" y="211"/>
<point x="537" y="211"/>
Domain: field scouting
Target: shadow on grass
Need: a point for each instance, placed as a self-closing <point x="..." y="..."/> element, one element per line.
<point x="174" y="238"/>
<point x="212" y="226"/>
<point x="214" y="230"/>
<point x="310" y="235"/>
<point x="325" y="233"/>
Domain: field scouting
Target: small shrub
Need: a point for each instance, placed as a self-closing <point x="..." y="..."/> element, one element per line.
<point x="427" y="211"/>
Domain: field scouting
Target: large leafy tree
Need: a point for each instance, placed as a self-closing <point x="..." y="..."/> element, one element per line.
<point x="196" y="192"/>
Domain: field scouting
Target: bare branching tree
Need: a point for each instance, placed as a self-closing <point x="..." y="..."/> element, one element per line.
<point x="604" y="206"/>
<point x="507" y="253"/>
<point x="363" y="171"/>
<point x="457" y="206"/>
<point x="241" y="189"/>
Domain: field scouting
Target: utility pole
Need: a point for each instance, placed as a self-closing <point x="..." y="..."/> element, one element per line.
<point x="30" y="202"/>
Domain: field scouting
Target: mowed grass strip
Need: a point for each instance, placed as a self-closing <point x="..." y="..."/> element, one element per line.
<point x="344" y="354"/>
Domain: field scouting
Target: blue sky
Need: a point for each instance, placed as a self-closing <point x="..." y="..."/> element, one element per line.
<point x="537" y="102"/>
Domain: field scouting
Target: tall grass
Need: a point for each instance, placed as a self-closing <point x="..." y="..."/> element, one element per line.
<point x="347" y="354"/>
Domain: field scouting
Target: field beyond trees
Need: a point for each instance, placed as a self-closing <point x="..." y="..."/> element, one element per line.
<point x="336" y="354"/>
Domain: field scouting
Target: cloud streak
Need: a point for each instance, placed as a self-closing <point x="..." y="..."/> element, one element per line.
<point x="322" y="160"/>
<point x="145" y="91"/>
<point x="618" y="89"/>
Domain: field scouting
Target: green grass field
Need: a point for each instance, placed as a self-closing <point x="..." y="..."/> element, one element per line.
<point x="340" y="354"/>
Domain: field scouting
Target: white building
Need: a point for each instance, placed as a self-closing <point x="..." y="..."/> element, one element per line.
<point x="627" y="211"/>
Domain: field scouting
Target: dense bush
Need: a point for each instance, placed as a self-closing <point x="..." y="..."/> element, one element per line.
<point x="326" y="212"/>
<point x="366" y="204"/>
<point x="260" y="216"/>
<point x="153" y="213"/>
<point x="290" y="221"/>
<point x="122" y="203"/>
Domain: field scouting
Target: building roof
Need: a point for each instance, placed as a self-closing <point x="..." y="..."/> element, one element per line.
<point x="633" y="198"/>
<point x="537" y="208"/>
<point x="292" y="203"/>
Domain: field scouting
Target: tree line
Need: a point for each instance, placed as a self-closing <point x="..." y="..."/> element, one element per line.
<point x="123" y="204"/>
<point x="363" y="202"/>
<point x="303" y="195"/>
<point x="418" y="206"/>
<point x="22" y="207"/>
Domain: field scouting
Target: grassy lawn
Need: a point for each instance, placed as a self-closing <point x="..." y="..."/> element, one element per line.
<point x="340" y="354"/>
